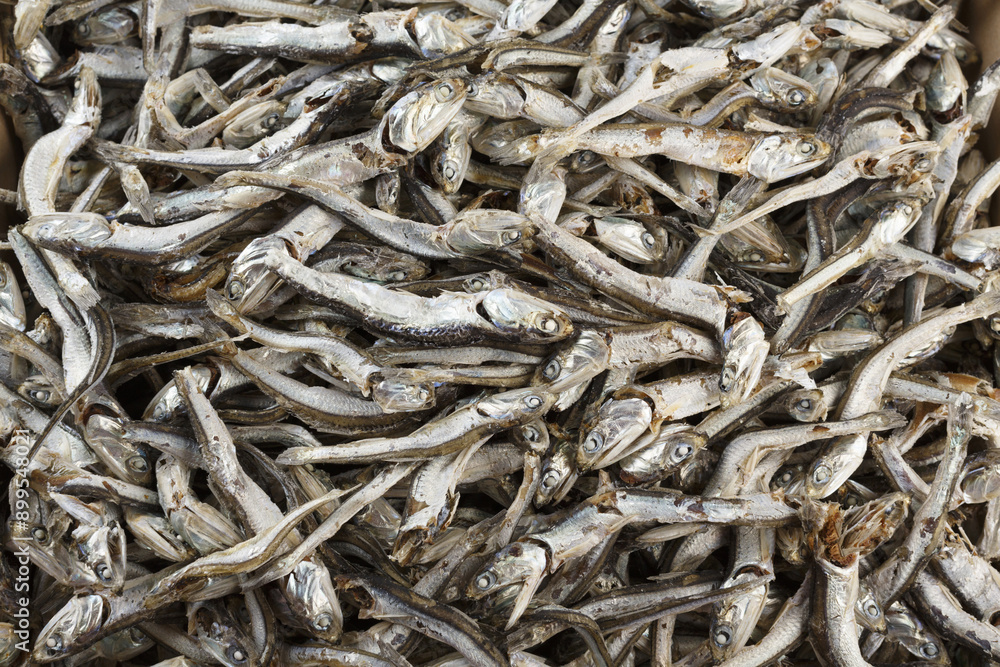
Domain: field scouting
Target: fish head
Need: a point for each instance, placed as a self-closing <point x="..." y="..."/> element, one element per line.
<point x="513" y="311"/>
<point x="71" y="626"/>
<point x="8" y="644"/>
<point x="85" y="109"/>
<point x="533" y="436"/>
<point x="99" y="556"/>
<point x="438" y="36"/>
<point x="558" y="475"/>
<point x="39" y="390"/>
<point x="746" y="349"/>
<point x="790" y="479"/>
<point x="805" y="405"/>
<point x="250" y="281"/>
<point x="896" y="218"/>
<point x="831" y="469"/>
<point x="419" y="117"/>
<point x="309" y="590"/>
<point x="124" y="645"/>
<point x="516" y="406"/>
<point x="220" y="634"/>
<point x="775" y="157"/>
<point x="779" y="90"/>
<point x="569" y="371"/>
<point x="521" y="564"/>
<point x="108" y="26"/>
<point x="128" y="461"/>
<point x="481" y="230"/>
<point x="629" y="239"/>
<point x="914" y="160"/>
<point x="12" y="311"/>
<point x="496" y="94"/>
<point x="718" y="9"/>
<point x="400" y="395"/>
<point x="869" y="612"/>
<point x="680" y="447"/>
<point x="903" y="627"/>
<point x="980" y="479"/>
<point x="619" y="423"/>
<point x="543" y="192"/>
<point x="734" y="618"/>
<point x="68" y="231"/>
<point x="168" y="402"/>
<point x="946" y="87"/>
<point x="450" y="164"/>
<point x="385" y="267"/>
<point x="156" y="534"/>
<point x="972" y="248"/>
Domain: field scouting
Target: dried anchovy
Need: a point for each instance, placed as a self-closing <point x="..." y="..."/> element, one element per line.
<point x="676" y="326"/>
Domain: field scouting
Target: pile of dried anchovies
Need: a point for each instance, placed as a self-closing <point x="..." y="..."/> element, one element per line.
<point x="594" y="332"/>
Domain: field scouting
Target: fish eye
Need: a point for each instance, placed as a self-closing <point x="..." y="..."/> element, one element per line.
<point x="53" y="643"/>
<point x="804" y="404"/>
<point x="923" y="164"/>
<point x="548" y="325"/>
<point x="236" y="654"/>
<point x="550" y="479"/>
<point x="449" y="171"/>
<point x="648" y="240"/>
<point x="871" y="609"/>
<point x="586" y="157"/>
<point x="907" y="209"/>
<point x="397" y="276"/>
<point x="995" y="324"/>
<point x="796" y="98"/>
<point x="486" y="580"/>
<point x="806" y="147"/>
<point x="722" y="636"/>
<point x="929" y="650"/>
<point x="821" y="474"/>
<point x="40" y="395"/>
<point x="271" y="120"/>
<point x="531" y="433"/>
<point x="551" y="369"/>
<point x="235" y="289"/>
<point x="786" y="478"/>
<point x="138" y="463"/>
<point x="104" y="572"/>
<point x="593" y="443"/>
<point x="511" y="237"/>
<point x="681" y="452"/>
<point x="727" y="379"/>
<point x="323" y="621"/>
<point x="473" y="89"/>
<point x="477" y="284"/>
<point x="40" y="534"/>
<point x="534" y="402"/>
<point x="83" y="28"/>
<point x="755" y="257"/>
<point x="3" y="279"/>
<point x="444" y="92"/>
